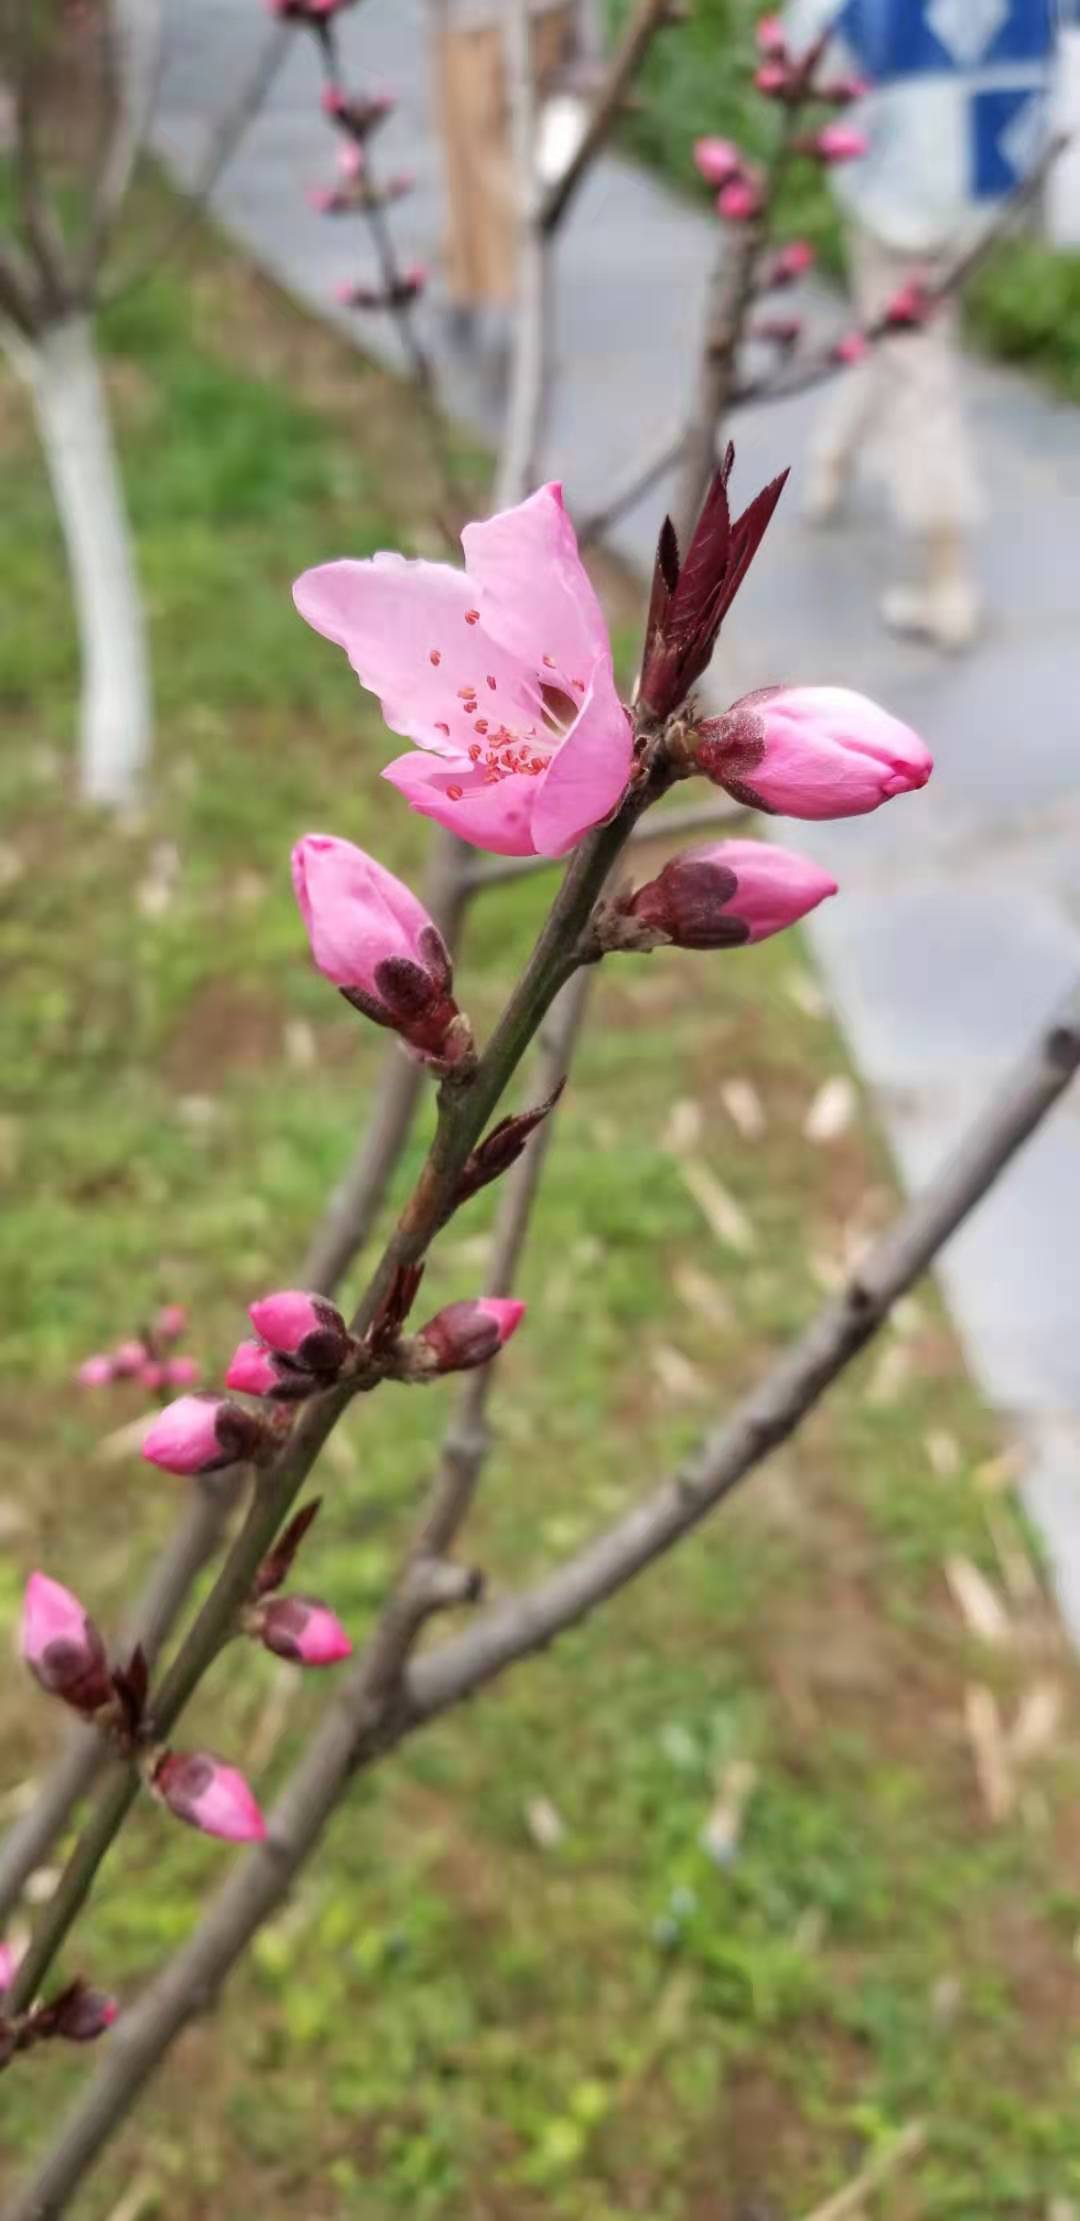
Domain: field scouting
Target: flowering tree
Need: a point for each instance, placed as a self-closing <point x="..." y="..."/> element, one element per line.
<point x="500" y="677"/>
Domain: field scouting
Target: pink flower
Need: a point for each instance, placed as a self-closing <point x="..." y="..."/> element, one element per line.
<point x="789" y="263"/>
<point x="739" y="201"/>
<point x="171" y="1321"/>
<point x="307" y="1328"/>
<point x="502" y="671"/>
<point x="62" y="1646"/>
<point x="252" y="1370"/>
<point x="208" y="1795"/>
<point x="371" y="937"/>
<point x="717" y="160"/>
<point x="198" y="1433"/>
<point x="854" y="347"/>
<point x="300" y="1628"/>
<point x="95" y="1372"/>
<point x="771" y="37"/>
<point x="812" y="752"/>
<point x="467" y="1334"/>
<point x="839" y="142"/>
<point x="727" y="894"/>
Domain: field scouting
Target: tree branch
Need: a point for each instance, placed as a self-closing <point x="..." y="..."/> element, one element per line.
<point x="358" y="1729"/>
<point x="131" y="36"/>
<point x="531" y="361"/>
<point x="648" y="18"/>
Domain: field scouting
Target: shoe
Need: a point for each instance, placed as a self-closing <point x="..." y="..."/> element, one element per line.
<point x="825" y="492"/>
<point x="948" y="615"/>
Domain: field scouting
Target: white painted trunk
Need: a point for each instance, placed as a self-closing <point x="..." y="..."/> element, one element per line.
<point x="62" y="372"/>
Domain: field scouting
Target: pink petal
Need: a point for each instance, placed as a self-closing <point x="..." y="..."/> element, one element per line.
<point x="588" y="774"/>
<point x="496" y="816"/>
<point x="392" y="617"/>
<point x="533" y="591"/>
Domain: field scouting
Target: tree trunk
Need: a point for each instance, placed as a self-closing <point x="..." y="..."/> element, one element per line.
<point x="61" y="369"/>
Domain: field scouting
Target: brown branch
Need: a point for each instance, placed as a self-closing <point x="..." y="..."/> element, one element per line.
<point x="131" y="50"/>
<point x="359" y="1728"/>
<point x="43" y="240"/>
<point x="648" y="18"/>
<point x="531" y="365"/>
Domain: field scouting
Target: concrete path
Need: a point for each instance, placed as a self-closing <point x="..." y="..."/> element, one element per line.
<point x="960" y="919"/>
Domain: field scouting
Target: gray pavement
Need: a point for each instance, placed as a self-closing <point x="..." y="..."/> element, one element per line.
<point x="960" y="919"/>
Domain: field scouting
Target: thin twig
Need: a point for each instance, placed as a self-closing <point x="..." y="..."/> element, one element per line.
<point x="648" y="18"/>
<point x="531" y="362"/>
<point x="357" y="1730"/>
<point x="131" y="44"/>
<point x="633" y="488"/>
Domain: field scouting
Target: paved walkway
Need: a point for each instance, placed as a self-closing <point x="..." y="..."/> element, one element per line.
<point x="960" y="920"/>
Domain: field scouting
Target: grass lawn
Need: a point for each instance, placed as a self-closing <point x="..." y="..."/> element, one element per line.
<point x="1025" y="303"/>
<point x="450" y="2020"/>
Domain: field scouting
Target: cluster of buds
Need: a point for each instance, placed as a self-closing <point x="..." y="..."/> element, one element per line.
<point x="303" y="1345"/>
<point x="67" y="1657"/>
<point x="77" y="2015"/>
<point x="402" y="290"/>
<point x="782" y="75"/>
<point x="723" y="895"/>
<point x="144" y="1357"/>
<point x="737" y="184"/>
<point x="371" y="937"/>
<point x="357" y="114"/>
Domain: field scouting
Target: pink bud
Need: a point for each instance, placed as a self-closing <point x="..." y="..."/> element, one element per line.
<point x="839" y="142"/>
<point x="771" y="37"/>
<point x="8" y="1964"/>
<point x="128" y="1360"/>
<point x="306" y="1328"/>
<point x="739" y="201"/>
<point x="375" y="941"/>
<point x="180" y="1372"/>
<point x="95" y="1372"/>
<point x="789" y="263"/>
<point x="171" y="1322"/>
<point x="843" y="90"/>
<point x="717" y="160"/>
<point x="302" y="1629"/>
<point x="780" y="331"/>
<point x="82" y="2015"/>
<point x="351" y="161"/>
<point x="467" y="1334"/>
<point x="727" y="894"/>
<point x="812" y="752"/>
<point x="62" y="1646"/>
<point x="198" y="1433"/>
<point x="773" y="79"/>
<point x="252" y="1370"/>
<point x="152" y="1375"/>
<point x="910" y="306"/>
<point x="854" y="347"/>
<point x="323" y="199"/>
<point x="333" y="100"/>
<point x="208" y="1795"/>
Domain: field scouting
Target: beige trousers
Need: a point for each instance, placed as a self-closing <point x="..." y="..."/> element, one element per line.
<point x="905" y="402"/>
<point x="475" y="121"/>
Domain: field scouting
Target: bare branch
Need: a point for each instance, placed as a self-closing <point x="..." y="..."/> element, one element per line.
<point x="44" y="244"/>
<point x="360" y="1727"/>
<point x="531" y="363"/>
<point x="131" y="34"/>
<point x="648" y="18"/>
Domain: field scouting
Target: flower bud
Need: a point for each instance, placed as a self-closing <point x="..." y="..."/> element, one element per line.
<point x="96" y="1372"/>
<point x="375" y="941"/>
<point x="838" y="142"/>
<point x="196" y="1434"/>
<point x="854" y="347"/>
<point x="739" y="201"/>
<point x="717" y="160"/>
<point x="62" y="1646"/>
<point x="811" y="752"/>
<point x="8" y="1964"/>
<point x="306" y="1328"/>
<point x="771" y="38"/>
<point x="180" y="1372"/>
<point x="358" y="113"/>
<point x="302" y="1629"/>
<point x="128" y="1359"/>
<point x="82" y="2014"/>
<point x="253" y="1370"/>
<point x="171" y="1322"/>
<point x="773" y="79"/>
<point x="725" y="894"/>
<point x="788" y="263"/>
<point x="464" y="1335"/>
<point x="909" y="306"/>
<point x="208" y="1795"/>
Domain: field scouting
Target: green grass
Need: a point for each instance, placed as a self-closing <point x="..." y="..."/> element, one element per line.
<point x="1024" y="304"/>
<point x="447" y="2020"/>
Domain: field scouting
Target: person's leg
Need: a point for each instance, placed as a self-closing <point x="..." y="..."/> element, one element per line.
<point x="848" y="419"/>
<point x="935" y="487"/>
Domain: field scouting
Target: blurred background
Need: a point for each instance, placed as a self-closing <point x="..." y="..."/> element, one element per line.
<point x="776" y="1860"/>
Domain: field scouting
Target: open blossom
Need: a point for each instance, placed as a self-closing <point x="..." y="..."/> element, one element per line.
<point x="812" y="752"/>
<point x="302" y="1629"/>
<point x="717" y="160"/>
<point x="501" y="672"/>
<point x="307" y="1328"/>
<point x="198" y="1433"/>
<point x="466" y="1334"/>
<point x="62" y="1646"/>
<point x="208" y="1795"/>
<point x="371" y="937"/>
<point x="725" y="894"/>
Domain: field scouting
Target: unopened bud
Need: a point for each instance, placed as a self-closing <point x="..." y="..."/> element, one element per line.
<point x="302" y="1629"/>
<point x="306" y="1328"/>
<point x="723" y="895"/>
<point x="375" y="941"/>
<point x="82" y="2014"/>
<point x="463" y="1335"/>
<point x="196" y="1434"/>
<point x="62" y="1646"/>
<point x="206" y="1794"/>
